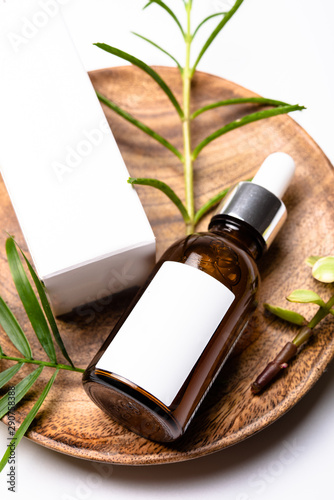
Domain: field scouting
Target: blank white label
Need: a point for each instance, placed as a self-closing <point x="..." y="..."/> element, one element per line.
<point x="167" y="330"/>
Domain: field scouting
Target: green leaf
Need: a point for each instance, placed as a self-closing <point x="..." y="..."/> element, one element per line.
<point x="305" y="297"/>
<point x="165" y="189"/>
<point x="12" y="328"/>
<point x="21" y="390"/>
<point x="216" y="31"/>
<point x="310" y="261"/>
<point x="27" y="422"/>
<point x="47" y="309"/>
<point x="291" y="316"/>
<point x="29" y="300"/>
<point x="160" y="48"/>
<point x="127" y="116"/>
<point x="323" y="269"/>
<point x="253" y="117"/>
<point x="8" y="374"/>
<point x="243" y="100"/>
<point x="168" y="10"/>
<point x="205" y="20"/>
<point x="331" y="311"/>
<point x="209" y="204"/>
<point x="140" y="125"/>
<point x="140" y="64"/>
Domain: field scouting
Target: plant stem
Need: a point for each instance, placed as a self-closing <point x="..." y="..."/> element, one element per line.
<point x="42" y="363"/>
<point x="188" y="161"/>
<point x="290" y="349"/>
<point x="322" y="312"/>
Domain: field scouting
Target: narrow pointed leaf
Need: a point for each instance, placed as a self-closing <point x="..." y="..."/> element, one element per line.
<point x="27" y="422"/>
<point x="205" y="20"/>
<point x="139" y="125"/>
<point x="29" y="300"/>
<point x="168" y="10"/>
<point x="310" y="261"/>
<point x="21" y="390"/>
<point x="209" y="204"/>
<point x="291" y="316"/>
<point x="165" y="189"/>
<point x="8" y="374"/>
<point x="140" y="64"/>
<point x="243" y="100"/>
<point x="323" y="269"/>
<point x="305" y="297"/>
<point x="47" y="309"/>
<point x="216" y="31"/>
<point x="253" y="117"/>
<point x="331" y="311"/>
<point x="160" y="48"/>
<point x="13" y="330"/>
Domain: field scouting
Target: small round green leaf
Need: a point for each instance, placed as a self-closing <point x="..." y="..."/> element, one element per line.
<point x="310" y="261"/>
<point x="286" y="314"/>
<point x="305" y="296"/>
<point x="323" y="269"/>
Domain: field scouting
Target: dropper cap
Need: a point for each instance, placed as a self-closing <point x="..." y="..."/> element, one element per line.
<point x="275" y="173"/>
<point x="258" y="203"/>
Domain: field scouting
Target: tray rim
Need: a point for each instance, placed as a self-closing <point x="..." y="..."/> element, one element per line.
<point x="278" y="411"/>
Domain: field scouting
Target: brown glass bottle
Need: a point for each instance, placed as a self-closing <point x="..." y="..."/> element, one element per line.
<point x="159" y="400"/>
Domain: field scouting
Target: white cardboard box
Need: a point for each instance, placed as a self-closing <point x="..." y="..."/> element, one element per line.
<point x="84" y="224"/>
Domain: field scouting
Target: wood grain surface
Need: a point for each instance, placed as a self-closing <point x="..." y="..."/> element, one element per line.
<point x="68" y="421"/>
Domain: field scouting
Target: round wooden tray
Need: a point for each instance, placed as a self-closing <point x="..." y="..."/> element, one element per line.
<point x="68" y="421"/>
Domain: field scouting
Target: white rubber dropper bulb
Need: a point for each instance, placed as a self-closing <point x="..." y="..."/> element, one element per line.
<point x="275" y="173"/>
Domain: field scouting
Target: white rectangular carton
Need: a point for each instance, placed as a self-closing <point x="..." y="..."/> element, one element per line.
<point x="84" y="225"/>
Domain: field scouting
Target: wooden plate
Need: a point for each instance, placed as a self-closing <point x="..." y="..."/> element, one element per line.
<point x="68" y="421"/>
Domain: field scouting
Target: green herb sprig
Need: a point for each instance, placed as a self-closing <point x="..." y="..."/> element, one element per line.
<point x="322" y="270"/>
<point x="187" y="157"/>
<point x="42" y="320"/>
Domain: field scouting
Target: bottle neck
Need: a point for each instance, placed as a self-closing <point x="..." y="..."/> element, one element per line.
<point x="240" y="232"/>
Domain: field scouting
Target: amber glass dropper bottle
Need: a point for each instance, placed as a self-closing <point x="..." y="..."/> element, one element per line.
<point x="163" y="355"/>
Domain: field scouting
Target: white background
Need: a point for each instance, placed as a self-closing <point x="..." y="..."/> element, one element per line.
<point x="281" y="49"/>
